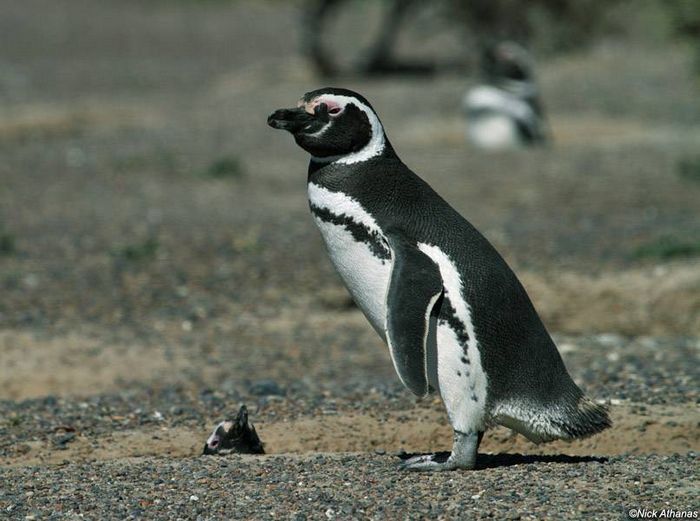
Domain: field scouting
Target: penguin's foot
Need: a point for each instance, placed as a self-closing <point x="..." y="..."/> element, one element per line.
<point x="463" y="455"/>
<point x="431" y="463"/>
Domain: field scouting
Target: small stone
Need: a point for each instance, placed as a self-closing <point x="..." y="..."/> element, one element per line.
<point x="61" y="441"/>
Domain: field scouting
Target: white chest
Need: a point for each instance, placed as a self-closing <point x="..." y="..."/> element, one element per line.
<point x="492" y="114"/>
<point x="356" y="248"/>
<point x="493" y="131"/>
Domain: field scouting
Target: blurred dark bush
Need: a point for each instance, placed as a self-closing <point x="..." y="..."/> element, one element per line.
<point x="686" y="16"/>
<point x="685" y="19"/>
<point x="556" y="24"/>
<point x="546" y="26"/>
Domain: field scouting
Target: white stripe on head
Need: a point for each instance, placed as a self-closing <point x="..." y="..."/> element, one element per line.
<point x="225" y="425"/>
<point x="376" y="143"/>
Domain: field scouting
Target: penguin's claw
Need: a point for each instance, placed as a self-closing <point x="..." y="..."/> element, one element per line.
<point x="433" y="463"/>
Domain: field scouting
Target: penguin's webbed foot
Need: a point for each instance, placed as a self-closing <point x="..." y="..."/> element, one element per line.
<point x="463" y="455"/>
<point x="432" y="463"/>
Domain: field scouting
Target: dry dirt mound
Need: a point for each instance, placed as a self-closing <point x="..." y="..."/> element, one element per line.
<point x="653" y="301"/>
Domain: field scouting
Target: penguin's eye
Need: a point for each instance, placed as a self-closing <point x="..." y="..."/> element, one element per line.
<point x="334" y="111"/>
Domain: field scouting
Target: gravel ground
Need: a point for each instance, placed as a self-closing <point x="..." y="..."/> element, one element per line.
<point x="351" y="486"/>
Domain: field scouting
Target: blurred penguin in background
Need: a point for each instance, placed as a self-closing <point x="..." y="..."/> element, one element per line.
<point x="505" y="111"/>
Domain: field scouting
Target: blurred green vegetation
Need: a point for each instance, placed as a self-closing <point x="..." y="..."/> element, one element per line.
<point x="227" y="167"/>
<point x="138" y="252"/>
<point x="689" y="169"/>
<point x="15" y="420"/>
<point x="668" y="248"/>
<point x="7" y="243"/>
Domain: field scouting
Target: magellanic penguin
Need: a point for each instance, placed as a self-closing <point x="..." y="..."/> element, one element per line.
<point x="237" y="435"/>
<point x="453" y="314"/>
<point x="505" y="111"/>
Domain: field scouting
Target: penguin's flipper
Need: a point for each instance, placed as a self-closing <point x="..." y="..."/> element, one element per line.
<point x="414" y="288"/>
<point x="531" y="129"/>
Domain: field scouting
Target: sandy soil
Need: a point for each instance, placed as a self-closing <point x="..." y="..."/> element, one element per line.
<point x="638" y="429"/>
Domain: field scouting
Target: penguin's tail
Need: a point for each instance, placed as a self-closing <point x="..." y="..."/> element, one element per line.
<point x="585" y="419"/>
<point x="573" y="419"/>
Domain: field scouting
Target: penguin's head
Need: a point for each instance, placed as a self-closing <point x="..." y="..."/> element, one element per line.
<point x="333" y="125"/>
<point x="237" y="435"/>
<point x="220" y="439"/>
<point x="507" y="61"/>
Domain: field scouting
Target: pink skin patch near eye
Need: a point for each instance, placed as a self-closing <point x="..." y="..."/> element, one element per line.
<point x="334" y="108"/>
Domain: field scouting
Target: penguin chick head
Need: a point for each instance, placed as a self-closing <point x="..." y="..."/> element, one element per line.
<point x="219" y="439"/>
<point x="333" y="125"/>
<point x="237" y="435"/>
<point x="507" y="61"/>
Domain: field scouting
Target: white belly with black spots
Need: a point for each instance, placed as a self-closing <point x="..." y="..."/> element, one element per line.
<point x="361" y="255"/>
<point x="356" y="248"/>
<point x="365" y="276"/>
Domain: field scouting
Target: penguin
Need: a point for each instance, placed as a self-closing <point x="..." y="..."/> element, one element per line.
<point x="237" y="435"/>
<point x="454" y="316"/>
<point x="505" y="111"/>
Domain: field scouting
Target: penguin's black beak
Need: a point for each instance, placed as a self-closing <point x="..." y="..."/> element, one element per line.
<point x="292" y="120"/>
